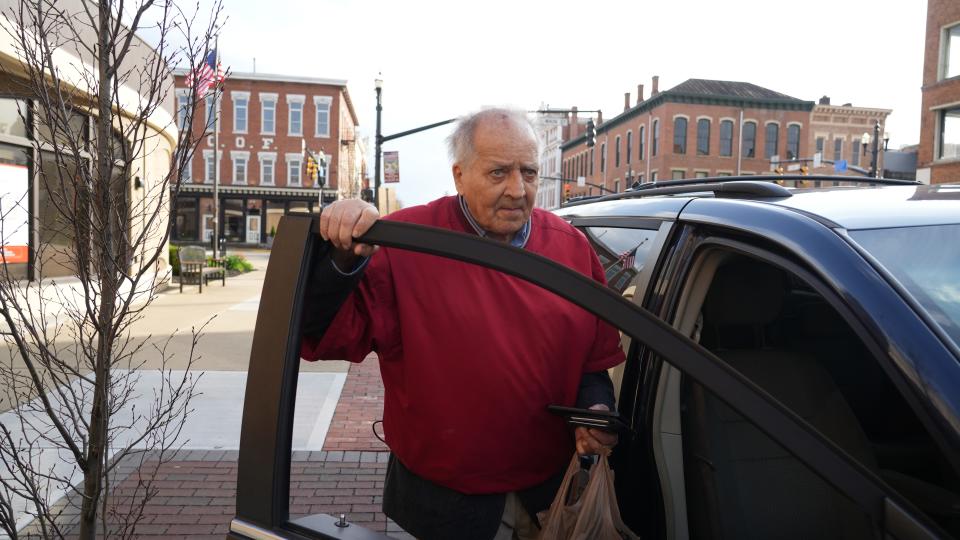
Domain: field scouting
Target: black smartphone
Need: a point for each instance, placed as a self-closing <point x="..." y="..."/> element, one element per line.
<point x="591" y="418"/>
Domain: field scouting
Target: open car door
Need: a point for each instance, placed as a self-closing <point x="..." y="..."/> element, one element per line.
<point x="263" y="482"/>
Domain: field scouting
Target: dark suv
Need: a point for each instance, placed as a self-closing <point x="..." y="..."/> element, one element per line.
<point x="793" y="356"/>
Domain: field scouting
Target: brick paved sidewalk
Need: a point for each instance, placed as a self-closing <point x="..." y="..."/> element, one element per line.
<point x="197" y="488"/>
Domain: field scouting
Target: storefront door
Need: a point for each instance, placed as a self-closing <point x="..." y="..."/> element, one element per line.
<point x="253" y="229"/>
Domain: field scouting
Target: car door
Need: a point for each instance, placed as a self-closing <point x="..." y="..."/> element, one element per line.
<point x="262" y="504"/>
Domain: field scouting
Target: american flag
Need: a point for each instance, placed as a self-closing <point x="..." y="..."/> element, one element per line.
<point x="206" y="75"/>
<point x="628" y="257"/>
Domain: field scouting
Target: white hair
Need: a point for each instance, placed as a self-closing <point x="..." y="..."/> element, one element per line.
<point x="460" y="142"/>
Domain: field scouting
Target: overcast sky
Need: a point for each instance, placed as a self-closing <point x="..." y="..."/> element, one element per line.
<point x="441" y="59"/>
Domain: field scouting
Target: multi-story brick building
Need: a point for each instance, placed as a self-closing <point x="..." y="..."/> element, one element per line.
<point x="938" y="157"/>
<point x="266" y="121"/>
<point x="838" y="134"/>
<point x="698" y="128"/>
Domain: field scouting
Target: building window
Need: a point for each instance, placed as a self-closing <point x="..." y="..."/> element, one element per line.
<point x="854" y="153"/>
<point x="211" y="117"/>
<point x="293" y="170"/>
<point x="793" y="141"/>
<point x="749" y="139"/>
<point x="653" y="176"/>
<point x="820" y="145"/>
<point x="603" y="157"/>
<point x="771" y="140"/>
<point x="268" y="169"/>
<point x="591" y="162"/>
<point x="837" y="149"/>
<point x="183" y="104"/>
<point x="616" y="156"/>
<point x="678" y="174"/>
<point x="616" y="186"/>
<point x="679" y="135"/>
<point x="240" y="159"/>
<point x="640" y="138"/>
<point x="295" y="115"/>
<point x="268" y="114"/>
<point x="949" y="145"/>
<point x="629" y="146"/>
<point x="726" y="138"/>
<point x="703" y="137"/>
<point x="322" y="104"/>
<point x="240" y="106"/>
<point x="655" y="146"/>
<point x="951" y="52"/>
<point x="700" y="174"/>
<point x="209" y="167"/>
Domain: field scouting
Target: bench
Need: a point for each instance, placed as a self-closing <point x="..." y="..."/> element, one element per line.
<point x="193" y="264"/>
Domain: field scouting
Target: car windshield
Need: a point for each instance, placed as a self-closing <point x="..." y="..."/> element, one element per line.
<point x="926" y="261"/>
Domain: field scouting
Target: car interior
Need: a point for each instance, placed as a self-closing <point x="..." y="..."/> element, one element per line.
<point x="734" y="481"/>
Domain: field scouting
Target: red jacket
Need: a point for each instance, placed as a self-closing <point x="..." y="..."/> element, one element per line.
<point x="470" y="357"/>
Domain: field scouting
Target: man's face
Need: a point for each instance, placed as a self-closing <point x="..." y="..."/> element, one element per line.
<point x="499" y="183"/>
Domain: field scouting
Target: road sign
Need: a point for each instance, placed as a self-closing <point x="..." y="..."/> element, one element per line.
<point x="581" y="181"/>
<point x="391" y="167"/>
<point x="840" y="165"/>
<point x="817" y="159"/>
<point x="793" y="167"/>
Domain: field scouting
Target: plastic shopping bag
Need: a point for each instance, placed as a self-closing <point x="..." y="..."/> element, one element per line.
<point x="593" y="516"/>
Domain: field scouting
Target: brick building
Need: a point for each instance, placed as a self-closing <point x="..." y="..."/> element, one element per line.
<point x="265" y="122"/>
<point x="553" y="127"/>
<point x="698" y="128"/>
<point x="938" y="157"/>
<point x="838" y="133"/>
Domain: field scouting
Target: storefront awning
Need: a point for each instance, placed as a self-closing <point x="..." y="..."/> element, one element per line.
<point x="303" y="193"/>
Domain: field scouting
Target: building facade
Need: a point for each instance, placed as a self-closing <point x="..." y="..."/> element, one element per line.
<point x="553" y="128"/>
<point x="268" y="125"/>
<point x="37" y="241"/>
<point x="839" y="132"/>
<point x="699" y="128"/>
<point x="938" y="156"/>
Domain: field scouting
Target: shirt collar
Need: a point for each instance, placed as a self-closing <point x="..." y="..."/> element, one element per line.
<point x="519" y="239"/>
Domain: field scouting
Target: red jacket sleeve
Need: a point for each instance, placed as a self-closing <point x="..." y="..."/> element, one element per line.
<point x="365" y="322"/>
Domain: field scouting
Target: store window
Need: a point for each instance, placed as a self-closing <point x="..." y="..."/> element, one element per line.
<point x="15" y="202"/>
<point x="234" y="227"/>
<point x="186" y="226"/>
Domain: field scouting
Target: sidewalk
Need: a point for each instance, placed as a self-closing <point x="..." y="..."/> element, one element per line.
<point x="338" y="464"/>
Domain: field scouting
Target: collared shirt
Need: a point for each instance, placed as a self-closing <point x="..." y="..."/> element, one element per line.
<point x="519" y="239"/>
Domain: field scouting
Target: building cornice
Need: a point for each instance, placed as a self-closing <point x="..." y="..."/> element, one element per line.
<point x="850" y="111"/>
<point x="272" y="77"/>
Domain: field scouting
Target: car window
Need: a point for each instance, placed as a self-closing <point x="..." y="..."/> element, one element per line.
<point x="926" y="261"/>
<point x="777" y="330"/>
<point x="623" y="252"/>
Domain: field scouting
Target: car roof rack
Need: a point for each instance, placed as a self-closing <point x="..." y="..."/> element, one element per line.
<point x="748" y="186"/>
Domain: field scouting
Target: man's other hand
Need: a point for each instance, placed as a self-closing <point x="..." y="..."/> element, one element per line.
<point x="346" y="219"/>
<point x="595" y="441"/>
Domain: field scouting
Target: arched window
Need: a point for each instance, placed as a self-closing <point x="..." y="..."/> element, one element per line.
<point x="679" y="135"/>
<point x="726" y="138"/>
<point x="793" y="141"/>
<point x="656" y="138"/>
<point x="703" y="137"/>
<point x="641" y="135"/>
<point x="771" y="140"/>
<point x="749" y="139"/>
<point x="616" y="159"/>
<point x="629" y="145"/>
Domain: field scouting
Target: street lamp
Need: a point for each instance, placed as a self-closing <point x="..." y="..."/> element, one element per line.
<point x="378" y="84"/>
<point x="865" y="140"/>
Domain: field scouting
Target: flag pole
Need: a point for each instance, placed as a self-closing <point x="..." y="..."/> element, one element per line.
<point x="216" y="153"/>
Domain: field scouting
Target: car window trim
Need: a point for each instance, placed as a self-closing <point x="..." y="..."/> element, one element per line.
<point x="621" y="222"/>
<point x="265" y="461"/>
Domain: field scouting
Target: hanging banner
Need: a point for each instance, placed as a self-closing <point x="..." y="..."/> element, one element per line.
<point x="14" y="229"/>
<point x="391" y="167"/>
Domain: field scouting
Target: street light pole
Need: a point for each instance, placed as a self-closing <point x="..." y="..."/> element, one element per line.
<point x="875" y="148"/>
<point x="378" y="83"/>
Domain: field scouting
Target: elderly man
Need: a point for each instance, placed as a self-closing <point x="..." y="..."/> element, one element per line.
<point x="470" y="358"/>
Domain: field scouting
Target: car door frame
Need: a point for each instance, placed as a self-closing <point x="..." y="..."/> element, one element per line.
<point x="263" y="478"/>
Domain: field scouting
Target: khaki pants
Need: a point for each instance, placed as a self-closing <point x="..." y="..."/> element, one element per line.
<point x="516" y="523"/>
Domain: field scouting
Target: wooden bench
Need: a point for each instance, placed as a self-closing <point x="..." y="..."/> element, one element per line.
<point x="193" y="264"/>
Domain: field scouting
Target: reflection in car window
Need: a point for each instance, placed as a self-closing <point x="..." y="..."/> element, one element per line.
<point x="926" y="261"/>
<point x="622" y="252"/>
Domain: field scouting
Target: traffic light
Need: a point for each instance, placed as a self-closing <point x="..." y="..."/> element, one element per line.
<point x="591" y="133"/>
<point x="804" y="170"/>
<point x="312" y="169"/>
<point x="566" y="192"/>
<point x="779" y="170"/>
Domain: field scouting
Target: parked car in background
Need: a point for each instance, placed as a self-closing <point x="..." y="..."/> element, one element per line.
<point x="793" y="356"/>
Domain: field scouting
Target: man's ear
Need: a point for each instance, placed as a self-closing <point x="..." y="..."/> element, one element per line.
<point x="458" y="178"/>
